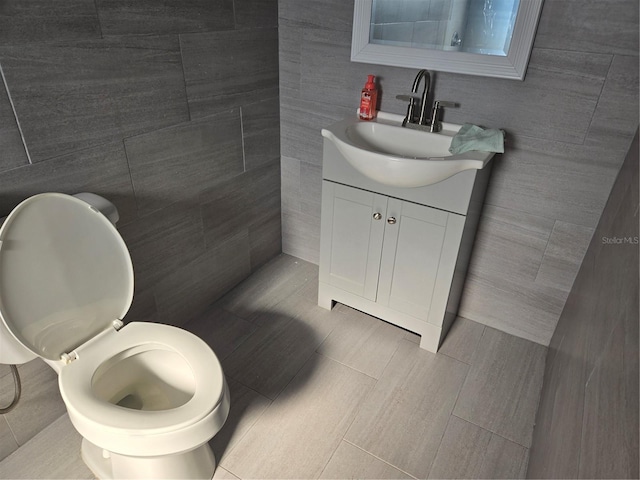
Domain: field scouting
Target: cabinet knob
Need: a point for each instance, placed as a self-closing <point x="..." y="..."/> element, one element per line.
<point x="377" y="216"/>
<point x="391" y="220"/>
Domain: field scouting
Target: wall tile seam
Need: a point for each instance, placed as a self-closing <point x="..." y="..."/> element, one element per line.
<point x="629" y="53"/>
<point x="587" y="146"/>
<point x="244" y="153"/>
<point x="226" y="31"/>
<point x="200" y="204"/>
<point x="546" y="248"/>
<point x="485" y="216"/>
<point x="305" y="25"/>
<point x="186" y="123"/>
<point x="110" y="142"/>
<point x="184" y="77"/>
<point x="241" y="232"/>
<point x="79" y="42"/>
<point x="101" y="35"/>
<point x="98" y="21"/>
<point x="5" y="84"/>
<point x="593" y="114"/>
<point x="239" y="95"/>
<point x="106" y="37"/>
<point x="133" y="188"/>
<point x="230" y="28"/>
<point x="197" y="120"/>
<point x="66" y="154"/>
<point x="235" y="16"/>
<point x="13" y="169"/>
<point x="111" y="36"/>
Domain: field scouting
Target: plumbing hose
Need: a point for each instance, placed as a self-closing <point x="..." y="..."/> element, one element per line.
<point x="16" y="392"/>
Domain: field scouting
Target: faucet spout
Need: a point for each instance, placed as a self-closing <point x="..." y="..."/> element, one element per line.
<point x="423" y="122"/>
<point x="422" y="75"/>
<point x="422" y="118"/>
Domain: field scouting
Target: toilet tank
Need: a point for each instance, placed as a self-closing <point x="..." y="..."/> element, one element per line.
<point x="13" y="352"/>
<point x="101" y="204"/>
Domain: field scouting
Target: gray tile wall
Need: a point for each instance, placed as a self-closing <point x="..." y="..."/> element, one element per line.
<point x="569" y="125"/>
<point x="587" y="422"/>
<point x="169" y="109"/>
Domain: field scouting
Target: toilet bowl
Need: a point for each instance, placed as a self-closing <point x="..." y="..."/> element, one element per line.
<point x="145" y="397"/>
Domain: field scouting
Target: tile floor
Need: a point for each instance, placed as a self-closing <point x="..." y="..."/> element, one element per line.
<point x="340" y="394"/>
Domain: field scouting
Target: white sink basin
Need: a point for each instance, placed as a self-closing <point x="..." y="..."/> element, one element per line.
<point x="393" y="155"/>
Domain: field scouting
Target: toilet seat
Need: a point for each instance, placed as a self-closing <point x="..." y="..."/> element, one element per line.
<point x="124" y="430"/>
<point x="65" y="274"/>
<point x="66" y="282"/>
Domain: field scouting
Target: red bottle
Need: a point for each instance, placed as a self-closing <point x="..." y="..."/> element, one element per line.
<point x="369" y="100"/>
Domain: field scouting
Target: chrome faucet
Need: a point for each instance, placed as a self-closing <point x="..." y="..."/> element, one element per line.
<point x="411" y="116"/>
<point x="422" y="121"/>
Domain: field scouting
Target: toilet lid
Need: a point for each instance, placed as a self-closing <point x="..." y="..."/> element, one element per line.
<point x="65" y="274"/>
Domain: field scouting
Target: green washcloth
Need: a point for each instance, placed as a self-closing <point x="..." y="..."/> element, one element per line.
<point x="471" y="137"/>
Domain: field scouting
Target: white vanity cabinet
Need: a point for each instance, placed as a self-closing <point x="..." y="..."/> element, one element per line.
<point x="399" y="254"/>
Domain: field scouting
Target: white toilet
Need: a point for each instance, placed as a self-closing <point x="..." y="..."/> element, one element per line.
<point x="145" y="397"/>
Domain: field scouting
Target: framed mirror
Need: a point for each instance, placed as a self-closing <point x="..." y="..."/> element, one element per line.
<point x="491" y="38"/>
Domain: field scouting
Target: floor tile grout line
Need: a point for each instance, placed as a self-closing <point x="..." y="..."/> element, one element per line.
<point x="239" y="440"/>
<point x="466" y="376"/>
<point x="378" y="458"/>
<point x="353" y="368"/>
<point x="258" y="327"/>
<point x="444" y="432"/>
<point x="475" y="349"/>
<point x="297" y="372"/>
<point x="13" y="435"/>
<point x="363" y="402"/>
<point x="489" y="430"/>
<point x="344" y="364"/>
<point x="272" y="401"/>
<point x="331" y="457"/>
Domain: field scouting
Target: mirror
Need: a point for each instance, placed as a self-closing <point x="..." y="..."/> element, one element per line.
<point x="478" y="37"/>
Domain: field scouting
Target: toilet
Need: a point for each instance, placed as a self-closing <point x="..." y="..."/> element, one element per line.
<point x="145" y="397"/>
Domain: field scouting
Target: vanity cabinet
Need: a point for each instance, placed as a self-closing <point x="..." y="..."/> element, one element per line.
<point x="387" y="250"/>
<point x="399" y="254"/>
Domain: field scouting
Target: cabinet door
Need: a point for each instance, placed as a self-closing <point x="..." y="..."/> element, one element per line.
<point x="351" y="240"/>
<point x="412" y="261"/>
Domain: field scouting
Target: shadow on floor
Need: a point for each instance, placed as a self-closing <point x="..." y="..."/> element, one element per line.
<point x="274" y="359"/>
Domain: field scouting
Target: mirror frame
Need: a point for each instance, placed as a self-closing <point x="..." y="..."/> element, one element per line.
<point x="513" y="66"/>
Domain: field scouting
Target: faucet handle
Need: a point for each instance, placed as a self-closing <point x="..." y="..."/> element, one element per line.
<point x="408" y="97"/>
<point x="444" y="103"/>
<point x="436" y="126"/>
<point x="412" y="98"/>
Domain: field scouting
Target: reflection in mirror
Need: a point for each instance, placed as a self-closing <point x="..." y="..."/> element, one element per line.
<point x="473" y="26"/>
<point x="492" y="38"/>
